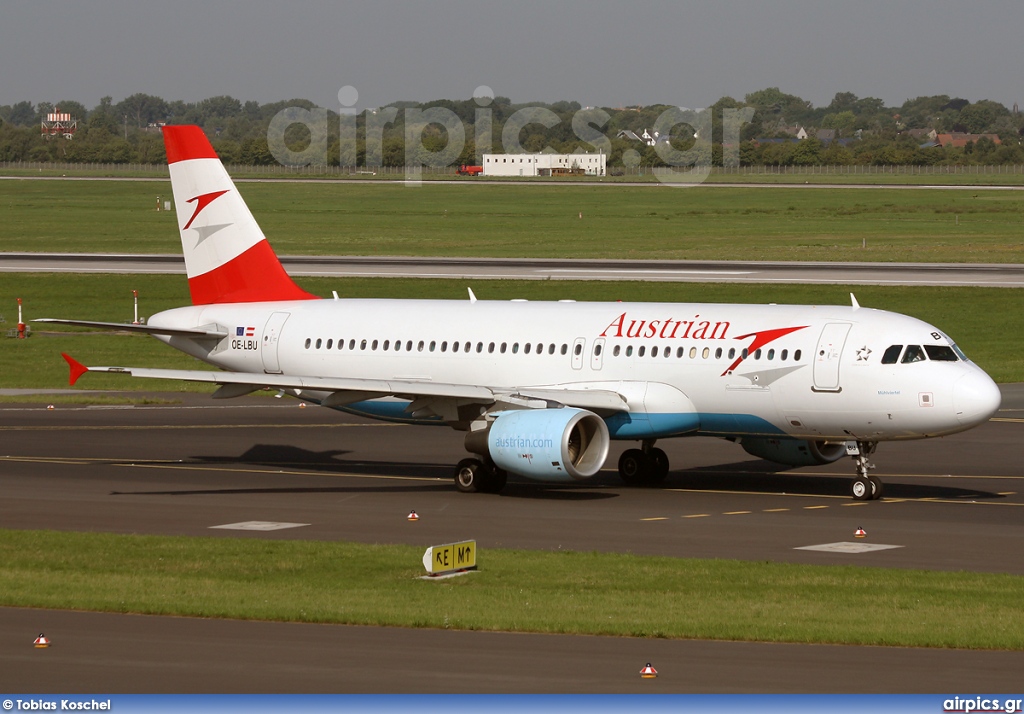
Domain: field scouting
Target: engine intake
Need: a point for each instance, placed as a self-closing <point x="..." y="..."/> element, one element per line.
<point x="555" y="445"/>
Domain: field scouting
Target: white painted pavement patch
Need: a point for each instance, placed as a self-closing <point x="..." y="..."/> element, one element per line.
<point x="848" y="547"/>
<point x="259" y="526"/>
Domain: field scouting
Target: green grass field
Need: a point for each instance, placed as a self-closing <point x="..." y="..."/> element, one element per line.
<point x="540" y="221"/>
<point x="521" y="591"/>
<point x="983" y="321"/>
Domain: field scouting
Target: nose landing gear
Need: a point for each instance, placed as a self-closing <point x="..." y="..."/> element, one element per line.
<point x="864" y="487"/>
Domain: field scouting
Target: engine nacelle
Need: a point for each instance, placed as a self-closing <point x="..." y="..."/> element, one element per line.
<point x="794" y="452"/>
<point x="556" y="445"/>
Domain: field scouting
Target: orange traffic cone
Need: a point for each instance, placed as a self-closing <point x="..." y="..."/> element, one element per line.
<point x="648" y="672"/>
<point x="41" y="641"/>
<point x="860" y="533"/>
<point x="413" y="516"/>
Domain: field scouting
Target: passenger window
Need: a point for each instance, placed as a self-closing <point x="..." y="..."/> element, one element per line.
<point x="308" y="342"/>
<point x="718" y="353"/>
<point x="732" y="352"/>
<point x="504" y="346"/>
<point x="351" y="344"/>
<point x="654" y="351"/>
<point x="745" y="353"/>
<point x="318" y="342"/>
<point x="597" y="350"/>
<point x="479" y="347"/>
<point x="892" y="354"/>
<point x="693" y="353"/>
<point x="387" y="344"/>
<point x="706" y="352"/>
<point x="565" y="349"/>
<point x="578" y="350"/>
<point x="914" y="353"/>
<point x="373" y="345"/>
<point x="341" y="344"/>
<point x="419" y="347"/>
<point x="784" y="355"/>
<point x="940" y="353"/>
<point x="527" y="347"/>
<point x="455" y="347"/>
<point x="640" y="352"/>
<point x="433" y="344"/>
<point x="515" y="348"/>
<point x="615" y="351"/>
<point x="668" y="352"/>
<point x="490" y="348"/>
<point x="679" y="353"/>
<point x="796" y="356"/>
<point x="629" y="350"/>
<point x="551" y="349"/>
<point x="757" y="354"/>
<point x="408" y="346"/>
<point x="444" y="346"/>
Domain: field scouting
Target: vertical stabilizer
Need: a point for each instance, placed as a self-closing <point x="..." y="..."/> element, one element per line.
<point x="227" y="257"/>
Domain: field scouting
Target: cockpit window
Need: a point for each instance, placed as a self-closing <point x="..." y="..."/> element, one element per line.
<point x="959" y="352"/>
<point x="892" y="354"/>
<point x="940" y="353"/>
<point x="914" y="353"/>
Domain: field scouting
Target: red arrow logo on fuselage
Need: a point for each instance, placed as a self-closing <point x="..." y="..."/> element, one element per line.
<point x="202" y="202"/>
<point x="761" y="339"/>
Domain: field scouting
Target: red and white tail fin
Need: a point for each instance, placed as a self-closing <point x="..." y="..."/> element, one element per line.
<point x="227" y="257"/>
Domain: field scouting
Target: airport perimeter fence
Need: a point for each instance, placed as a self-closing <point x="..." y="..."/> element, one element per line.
<point x="106" y="169"/>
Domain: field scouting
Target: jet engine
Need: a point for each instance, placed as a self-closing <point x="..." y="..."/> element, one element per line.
<point x="554" y="445"/>
<point x="794" y="452"/>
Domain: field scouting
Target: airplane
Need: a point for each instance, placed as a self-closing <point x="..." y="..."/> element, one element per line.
<point x="542" y="388"/>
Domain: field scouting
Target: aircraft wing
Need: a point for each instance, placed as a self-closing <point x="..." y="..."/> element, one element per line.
<point x="348" y="390"/>
<point x="212" y="332"/>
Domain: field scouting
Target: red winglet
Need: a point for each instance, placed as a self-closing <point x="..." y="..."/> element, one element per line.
<point x="77" y="368"/>
<point x="187" y="142"/>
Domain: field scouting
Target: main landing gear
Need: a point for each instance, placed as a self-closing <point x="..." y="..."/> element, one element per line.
<point x="645" y="466"/>
<point x="476" y="476"/>
<point x="865" y="487"/>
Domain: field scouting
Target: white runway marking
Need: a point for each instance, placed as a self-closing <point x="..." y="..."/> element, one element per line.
<point x="259" y="526"/>
<point x="848" y="547"/>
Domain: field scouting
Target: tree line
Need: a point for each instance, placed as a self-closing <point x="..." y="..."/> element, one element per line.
<point x="863" y="131"/>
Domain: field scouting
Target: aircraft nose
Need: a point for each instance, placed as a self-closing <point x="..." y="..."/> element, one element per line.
<point x="976" y="398"/>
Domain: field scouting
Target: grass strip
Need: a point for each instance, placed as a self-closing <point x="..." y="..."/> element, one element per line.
<point x="519" y="591"/>
<point x="838" y="224"/>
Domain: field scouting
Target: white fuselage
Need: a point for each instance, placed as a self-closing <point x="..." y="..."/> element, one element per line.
<point x="813" y="372"/>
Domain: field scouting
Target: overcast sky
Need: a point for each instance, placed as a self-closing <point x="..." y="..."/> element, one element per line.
<point x="596" y="52"/>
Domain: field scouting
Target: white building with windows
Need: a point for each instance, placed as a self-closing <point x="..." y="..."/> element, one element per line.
<point x="545" y="164"/>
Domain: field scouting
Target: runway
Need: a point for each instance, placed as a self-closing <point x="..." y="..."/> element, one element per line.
<point x="950" y="504"/>
<point x="952" y="275"/>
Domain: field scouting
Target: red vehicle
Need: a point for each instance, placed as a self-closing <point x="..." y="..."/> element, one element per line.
<point x="470" y="170"/>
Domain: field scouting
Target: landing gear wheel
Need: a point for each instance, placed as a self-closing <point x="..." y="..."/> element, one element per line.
<point x="659" y="465"/>
<point x="634" y="466"/>
<point x="861" y="488"/>
<point x="469" y="475"/>
<point x="876" y="487"/>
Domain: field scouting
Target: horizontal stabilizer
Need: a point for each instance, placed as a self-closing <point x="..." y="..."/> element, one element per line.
<point x="197" y="332"/>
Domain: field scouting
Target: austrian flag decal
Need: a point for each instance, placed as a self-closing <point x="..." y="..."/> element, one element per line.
<point x="245" y="332"/>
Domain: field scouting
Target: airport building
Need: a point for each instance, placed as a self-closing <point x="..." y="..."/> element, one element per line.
<point x="545" y="164"/>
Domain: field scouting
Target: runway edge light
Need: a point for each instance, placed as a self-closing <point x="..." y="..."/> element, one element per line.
<point x="648" y="672"/>
<point x="860" y="533"/>
<point x="41" y="641"/>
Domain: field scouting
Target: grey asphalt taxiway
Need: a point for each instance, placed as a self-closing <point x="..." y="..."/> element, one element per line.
<point x="950" y="504"/>
<point x="342" y="266"/>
